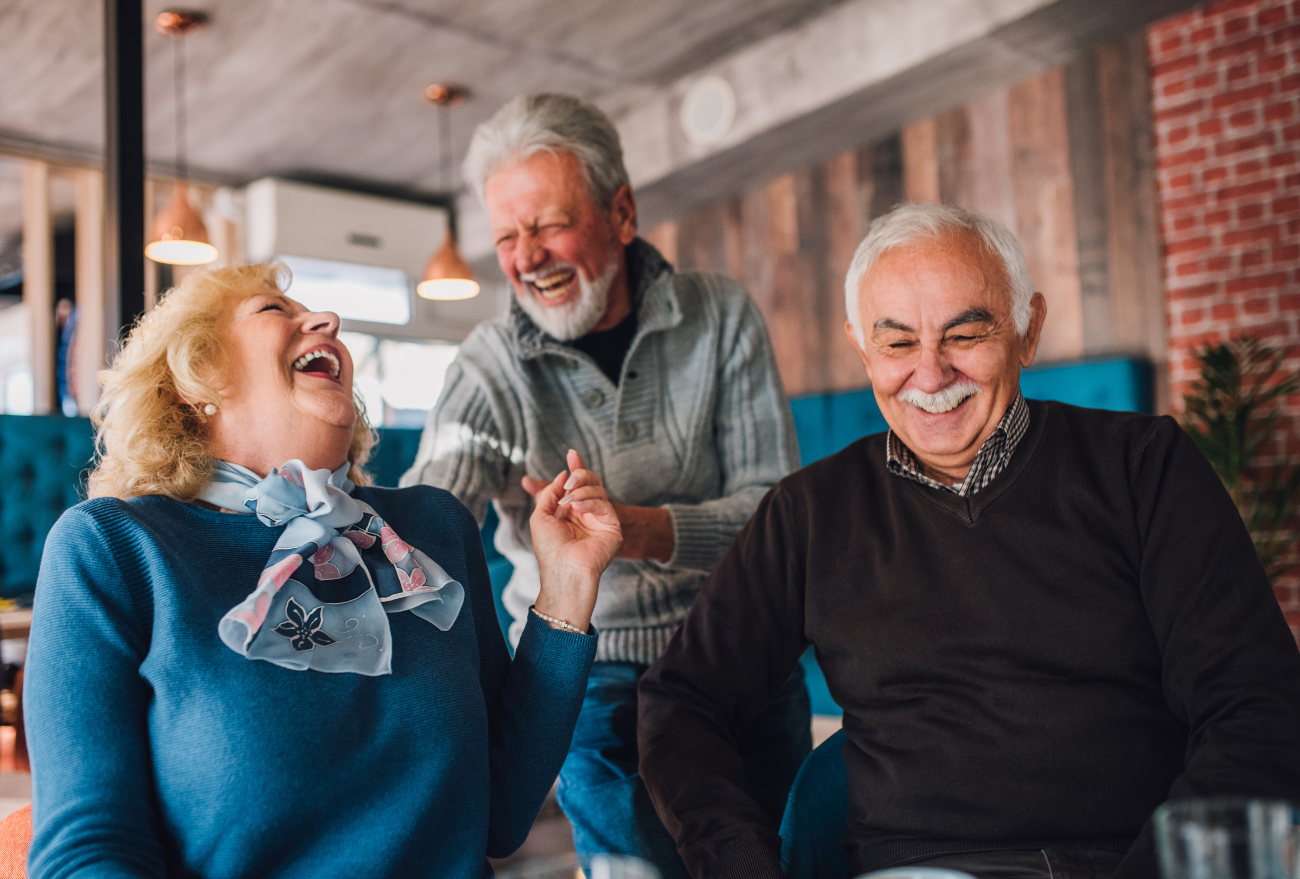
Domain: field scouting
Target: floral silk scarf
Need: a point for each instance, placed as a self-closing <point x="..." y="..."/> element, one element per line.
<point x="337" y="571"/>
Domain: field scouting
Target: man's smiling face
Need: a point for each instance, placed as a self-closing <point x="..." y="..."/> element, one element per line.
<point x="942" y="350"/>
<point x="562" y="253"/>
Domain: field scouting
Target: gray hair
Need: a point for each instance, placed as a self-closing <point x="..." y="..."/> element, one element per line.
<point x="907" y="223"/>
<point x="531" y="124"/>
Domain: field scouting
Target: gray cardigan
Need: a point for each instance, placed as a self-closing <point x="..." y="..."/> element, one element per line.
<point x="698" y="424"/>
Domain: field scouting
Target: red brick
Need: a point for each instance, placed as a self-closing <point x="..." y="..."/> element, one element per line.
<point x="1258" y="282"/>
<point x="1174" y="88"/>
<point x="1196" y="291"/>
<point x="1286" y="253"/>
<point x="1223" y="312"/>
<point x="1187" y="201"/>
<point x="1254" y="142"/>
<point x="1209" y="127"/>
<point x="1173" y="65"/>
<point x="1214" y="218"/>
<point x="1271" y="64"/>
<point x="1250" y="212"/>
<point x="1286" y="204"/>
<point x="1249" y="46"/>
<point x="1288" y="302"/>
<point x="1278" y="111"/>
<point x="1214" y="10"/>
<point x="1187" y="158"/>
<point x="1193" y="316"/>
<point x="1247" y="236"/>
<point x="1207" y="80"/>
<point x="1246" y="168"/>
<point x="1183" y="224"/>
<point x="1214" y="174"/>
<point x="1257" y="307"/>
<point x="1238" y="72"/>
<point x="1236" y="26"/>
<point x="1187" y="268"/>
<point x="1218" y="264"/>
<point x="1190" y="245"/>
<point x="1278" y="160"/>
<point x="1168" y="44"/>
<point x="1242" y="117"/>
<point x="1291" y="180"/>
<point x="1180" y="110"/>
<point x="1255" y="92"/>
<point x="1181" y="180"/>
<point x="1206" y="33"/>
<point x="1178" y="135"/>
<point x="1259" y="187"/>
<point x="1291" y="132"/>
<point x="1253" y="260"/>
<point x="1266" y="17"/>
<point x="1289" y="83"/>
<point x="1286" y="34"/>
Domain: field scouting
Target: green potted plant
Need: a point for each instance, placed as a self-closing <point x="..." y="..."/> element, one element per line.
<point x="1232" y="410"/>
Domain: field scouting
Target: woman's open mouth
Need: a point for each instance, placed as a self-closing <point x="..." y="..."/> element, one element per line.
<point x="321" y="362"/>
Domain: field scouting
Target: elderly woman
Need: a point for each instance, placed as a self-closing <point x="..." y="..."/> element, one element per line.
<point x="245" y="662"/>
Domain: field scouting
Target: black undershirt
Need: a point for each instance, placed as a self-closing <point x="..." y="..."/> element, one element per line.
<point x="609" y="347"/>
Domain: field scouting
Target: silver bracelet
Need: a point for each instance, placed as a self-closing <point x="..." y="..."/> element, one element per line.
<point x="553" y="621"/>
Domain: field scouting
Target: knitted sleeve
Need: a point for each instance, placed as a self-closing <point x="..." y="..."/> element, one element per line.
<point x="1230" y="668"/>
<point x="755" y="438"/>
<point x="462" y="448"/>
<point x="85" y="705"/>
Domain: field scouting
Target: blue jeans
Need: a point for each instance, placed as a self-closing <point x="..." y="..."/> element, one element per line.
<point x="604" y="798"/>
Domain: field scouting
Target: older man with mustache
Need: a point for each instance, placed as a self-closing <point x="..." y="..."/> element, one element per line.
<point x="1041" y="621"/>
<point x="665" y="382"/>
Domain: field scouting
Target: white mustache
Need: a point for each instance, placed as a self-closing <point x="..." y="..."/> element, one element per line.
<point x="941" y="401"/>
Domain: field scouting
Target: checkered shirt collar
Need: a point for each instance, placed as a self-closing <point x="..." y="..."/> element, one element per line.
<point x="990" y="460"/>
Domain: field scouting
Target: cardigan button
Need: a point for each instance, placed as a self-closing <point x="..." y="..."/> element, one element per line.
<point x="626" y="431"/>
<point x="592" y="398"/>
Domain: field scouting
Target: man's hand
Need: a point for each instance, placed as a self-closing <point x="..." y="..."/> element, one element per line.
<point x="575" y="535"/>
<point x="647" y="531"/>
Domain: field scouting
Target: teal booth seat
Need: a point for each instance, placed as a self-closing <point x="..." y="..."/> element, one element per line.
<point x="44" y="459"/>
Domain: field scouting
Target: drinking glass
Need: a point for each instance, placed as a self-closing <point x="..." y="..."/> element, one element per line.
<point x="1227" y="839"/>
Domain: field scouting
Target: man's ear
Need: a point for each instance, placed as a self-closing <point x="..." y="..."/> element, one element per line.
<point x="853" y="340"/>
<point x="622" y="214"/>
<point x="1029" y="344"/>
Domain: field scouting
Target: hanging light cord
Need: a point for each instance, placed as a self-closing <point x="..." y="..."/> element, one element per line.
<point x="444" y="132"/>
<point x="178" y="56"/>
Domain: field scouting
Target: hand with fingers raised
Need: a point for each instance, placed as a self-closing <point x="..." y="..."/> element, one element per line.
<point x="575" y="536"/>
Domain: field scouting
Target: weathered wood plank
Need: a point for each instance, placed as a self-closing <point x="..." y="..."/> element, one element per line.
<point x="92" y="326"/>
<point x="1045" y="208"/>
<point x="993" y="191"/>
<point x="953" y="157"/>
<point x="38" y="282"/>
<point x="845" y="227"/>
<point x="920" y="162"/>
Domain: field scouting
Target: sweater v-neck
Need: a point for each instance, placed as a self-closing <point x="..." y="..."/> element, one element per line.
<point x="969" y="508"/>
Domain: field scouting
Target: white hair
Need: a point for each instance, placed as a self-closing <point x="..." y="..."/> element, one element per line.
<point x="907" y="223"/>
<point x="532" y="124"/>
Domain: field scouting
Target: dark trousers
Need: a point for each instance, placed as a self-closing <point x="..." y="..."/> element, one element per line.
<point x="604" y="798"/>
<point x="1064" y="862"/>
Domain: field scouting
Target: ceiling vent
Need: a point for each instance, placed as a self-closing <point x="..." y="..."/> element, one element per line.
<point x="708" y="109"/>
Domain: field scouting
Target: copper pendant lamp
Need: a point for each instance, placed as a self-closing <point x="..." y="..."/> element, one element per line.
<point x="179" y="236"/>
<point x="446" y="276"/>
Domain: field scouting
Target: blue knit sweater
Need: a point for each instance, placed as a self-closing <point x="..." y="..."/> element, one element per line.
<point x="158" y="751"/>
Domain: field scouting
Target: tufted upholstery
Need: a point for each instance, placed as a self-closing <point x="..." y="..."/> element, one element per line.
<point x="42" y="473"/>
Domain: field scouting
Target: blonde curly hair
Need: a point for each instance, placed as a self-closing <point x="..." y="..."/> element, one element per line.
<point x="150" y="435"/>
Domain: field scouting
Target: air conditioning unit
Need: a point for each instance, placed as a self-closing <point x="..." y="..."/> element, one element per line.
<point x="358" y="255"/>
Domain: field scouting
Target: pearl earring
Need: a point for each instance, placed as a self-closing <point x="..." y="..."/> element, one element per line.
<point x="209" y="409"/>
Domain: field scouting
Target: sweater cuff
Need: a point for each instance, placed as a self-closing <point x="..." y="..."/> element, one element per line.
<point x="568" y="648"/>
<point x="699" y="537"/>
<point x="745" y="858"/>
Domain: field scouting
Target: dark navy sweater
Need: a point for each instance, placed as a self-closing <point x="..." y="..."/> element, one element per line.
<point x="1041" y="663"/>
<point x="158" y="751"/>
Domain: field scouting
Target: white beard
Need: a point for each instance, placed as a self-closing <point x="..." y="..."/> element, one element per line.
<point x="942" y="401"/>
<point x="571" y="321"/>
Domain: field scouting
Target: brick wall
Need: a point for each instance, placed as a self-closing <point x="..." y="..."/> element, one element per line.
<point x="1225" y="85"/>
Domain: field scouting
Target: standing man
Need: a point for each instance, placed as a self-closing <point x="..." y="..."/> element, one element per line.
<point x="1041" y="621"/>
<point x="666" y="384"/>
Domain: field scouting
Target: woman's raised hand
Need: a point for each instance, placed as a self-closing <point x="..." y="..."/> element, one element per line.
<point x="575" y="536"/>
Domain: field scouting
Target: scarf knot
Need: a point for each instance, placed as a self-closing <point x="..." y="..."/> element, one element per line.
<point x="336" y="572"/>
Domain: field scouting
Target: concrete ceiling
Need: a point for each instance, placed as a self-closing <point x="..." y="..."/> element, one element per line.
<point x="332" y="89"/>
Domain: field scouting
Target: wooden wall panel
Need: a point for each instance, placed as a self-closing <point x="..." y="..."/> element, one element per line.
<point x="38" y="283"/>
<point x="953" y="157"/>
<point x="920" y="162"/>
<point x="1045" y="208"/>
<point x="993" y="191"/>
<point x="846" y="225"/>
